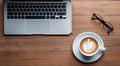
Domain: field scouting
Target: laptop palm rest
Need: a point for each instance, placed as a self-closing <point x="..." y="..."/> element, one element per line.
<point x="15" y="27"/>
<point x="37" y="27"/>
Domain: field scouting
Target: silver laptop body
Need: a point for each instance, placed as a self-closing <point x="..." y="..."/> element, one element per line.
<point x="31" y="17"/>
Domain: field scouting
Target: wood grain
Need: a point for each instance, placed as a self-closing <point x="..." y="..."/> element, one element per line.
<point x="57" y="50"/>
<point x="109" y="8"/>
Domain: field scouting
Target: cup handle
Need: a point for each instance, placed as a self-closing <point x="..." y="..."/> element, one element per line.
<point x="102" y="49"/>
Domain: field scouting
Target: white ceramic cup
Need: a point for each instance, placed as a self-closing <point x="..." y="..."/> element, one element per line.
<point x="99" y="49"/>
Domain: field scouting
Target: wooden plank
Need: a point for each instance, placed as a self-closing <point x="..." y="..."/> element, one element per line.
<point x="39" y="44"/>
<point x="56" y="58"/>
<point x="82" y="8"/>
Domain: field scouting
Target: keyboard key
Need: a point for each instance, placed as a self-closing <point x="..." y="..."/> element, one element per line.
<point x="26" y="13"/>
<point x="35" y="17"/>
<point x="54" y="13"/>
<point x="9" y="10"/>
<point x="44" y="13"/>
<point x="46" y="10"/>
<point x="60" y="17"/>
<point x="51" y="13"/>
<point x="64" y="9"/>
<point x="43" y="10"/>
<point x="61" y="13"/>
<point x="18" y="17"/>
<point x="19" y="13"/>
<point x="22" y="17"/>
<point x="52" y="17"/>
<point x="64" y="17"/>
<point x="60" y="9"/>
<point x="59" y="6"/>
<point x="16" y="6"/>
<point x="53" y="9"/>
<point x="47" y="17"/>
<point x="36" y="13"/>
<point x="8" y="17"/>
<point x="12" y="6"/>
<point x="9" y="13"/>
<point x="11" y="17"/>
<point x="56" y="9"/>
<point x="15" y="17"/>
<point x="55" y="6"/>
<point x="63" y="6"/>
<point x="48" y="13"/>
<point x="15" y="13"/>
<point x="8" y="6"/>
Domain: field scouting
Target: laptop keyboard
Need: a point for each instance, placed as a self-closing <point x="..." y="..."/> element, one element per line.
<point x="36" y="10"/>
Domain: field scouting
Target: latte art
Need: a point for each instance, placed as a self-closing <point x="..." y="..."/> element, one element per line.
<point x="88" y="45"/>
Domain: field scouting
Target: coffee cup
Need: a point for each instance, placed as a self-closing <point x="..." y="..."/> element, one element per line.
<point x="89" y="47"/>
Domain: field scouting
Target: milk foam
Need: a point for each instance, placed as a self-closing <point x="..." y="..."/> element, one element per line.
<point x="88" y="46"/>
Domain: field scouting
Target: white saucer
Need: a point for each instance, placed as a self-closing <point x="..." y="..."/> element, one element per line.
<point x="76" y="51"/>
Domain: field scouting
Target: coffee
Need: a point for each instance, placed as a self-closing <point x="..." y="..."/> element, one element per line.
<point x="88" y="46"/>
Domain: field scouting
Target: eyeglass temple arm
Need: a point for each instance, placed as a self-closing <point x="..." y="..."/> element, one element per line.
<point x="103" y="22"/>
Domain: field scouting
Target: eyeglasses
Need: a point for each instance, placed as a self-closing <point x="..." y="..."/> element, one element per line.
<point x="106" y="25"/>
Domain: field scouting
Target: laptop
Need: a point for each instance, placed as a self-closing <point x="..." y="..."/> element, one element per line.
<point x="34" y="17"/>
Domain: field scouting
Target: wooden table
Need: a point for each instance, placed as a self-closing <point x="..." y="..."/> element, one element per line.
<point x="57" y="50"/>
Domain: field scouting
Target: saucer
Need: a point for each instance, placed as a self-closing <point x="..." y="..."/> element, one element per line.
<point x="77" y="53"/>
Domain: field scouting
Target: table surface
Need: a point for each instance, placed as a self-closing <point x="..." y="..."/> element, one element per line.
<point x="57" y="50"/>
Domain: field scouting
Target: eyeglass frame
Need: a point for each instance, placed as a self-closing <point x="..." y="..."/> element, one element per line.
<point x="110" y="29"/>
